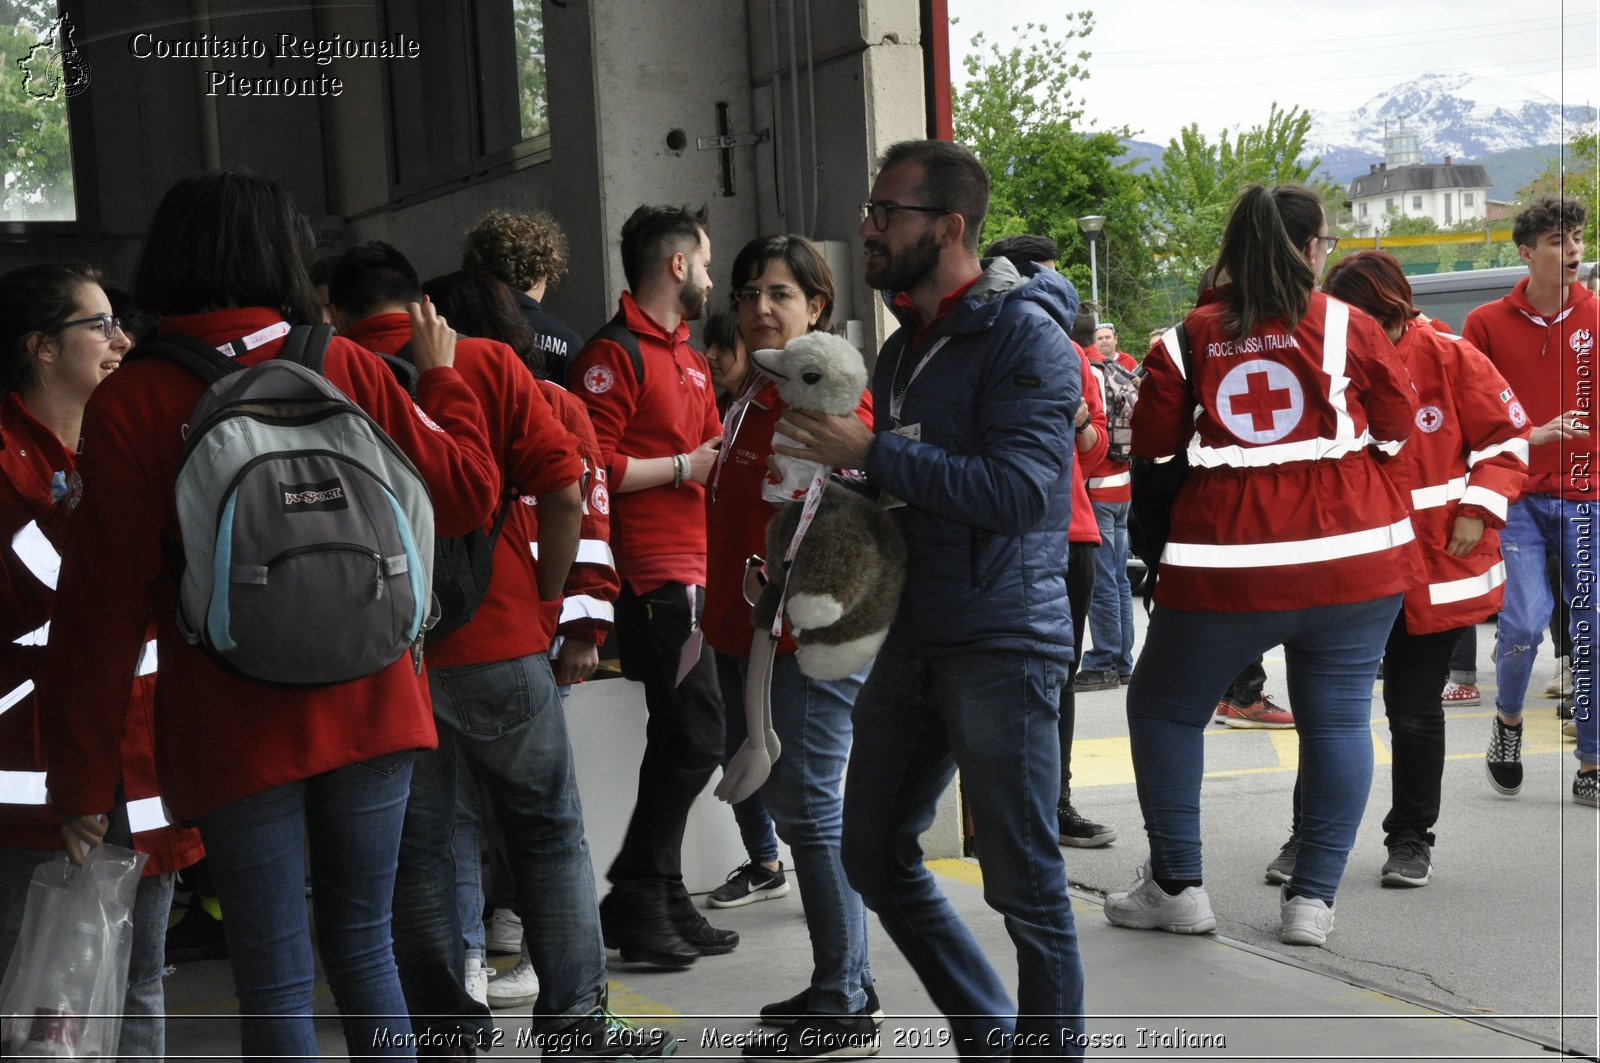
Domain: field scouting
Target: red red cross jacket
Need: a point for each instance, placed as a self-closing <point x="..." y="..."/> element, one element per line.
<point x="588" y="605"/>
<point x="219" y="736"/>
<point x="1551" y="366"/>
<point x="1084" y="528"/>
<point x="1109" y="481"/>
<point x="1469" y="454"/>
<point x="1287" y="507"/>
<point x="660" y="530"/>
<point x="36" y="472"/>
<point x="534" y="452"/>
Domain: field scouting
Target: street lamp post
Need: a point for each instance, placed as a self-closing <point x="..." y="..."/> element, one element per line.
<point x="1091" y="226"/>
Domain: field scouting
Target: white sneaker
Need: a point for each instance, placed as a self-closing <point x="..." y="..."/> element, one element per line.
<point x="1306" y="920"/>
<point x="1561" y="685"/>
<point x="505" y="932"/>
<point x="516" y="988"/>
<point x="1148" y="907"/>
<point x="477" y="980"/>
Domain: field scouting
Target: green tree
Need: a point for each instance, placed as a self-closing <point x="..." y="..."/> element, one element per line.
<point x="1047" y="167"/>
<point x="1192" y="193"/>
<point x="1576" y="174"/>
<point x="36" y="162"/>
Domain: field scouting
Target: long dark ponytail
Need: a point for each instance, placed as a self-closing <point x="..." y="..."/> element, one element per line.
<point x="1263" y="259"/>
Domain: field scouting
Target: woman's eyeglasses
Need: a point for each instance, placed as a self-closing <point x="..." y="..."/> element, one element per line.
<point x="109" y="326"/>
<point x="779" y="294"/>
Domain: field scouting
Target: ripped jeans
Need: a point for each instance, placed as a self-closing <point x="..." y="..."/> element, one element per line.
<point x="1537" y="526"/>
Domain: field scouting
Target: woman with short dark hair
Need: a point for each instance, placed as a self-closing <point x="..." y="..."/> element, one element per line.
<point x="1287" y="531"/>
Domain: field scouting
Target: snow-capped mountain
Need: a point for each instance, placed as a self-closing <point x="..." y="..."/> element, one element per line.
<point x="1459" y="115"/>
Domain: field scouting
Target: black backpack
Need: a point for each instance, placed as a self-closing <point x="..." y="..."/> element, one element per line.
<point x="463" y="565"/>
<point x="1155" y="486"/>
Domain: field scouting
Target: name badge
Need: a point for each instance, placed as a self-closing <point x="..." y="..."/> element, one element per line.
<point x="910" y="431"/>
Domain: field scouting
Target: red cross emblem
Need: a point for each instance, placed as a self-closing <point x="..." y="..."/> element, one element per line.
<point x="1260" y="401"/>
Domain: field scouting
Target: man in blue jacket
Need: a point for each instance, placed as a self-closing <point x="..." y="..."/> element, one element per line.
<point x="975" y="397"/>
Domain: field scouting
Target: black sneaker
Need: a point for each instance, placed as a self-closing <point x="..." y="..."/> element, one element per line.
<point x="792" y="1010"/>
<point x="1503" y="761"/>
<point x="1281" y="870"/>
<point x="818" y="1037"/>
<point x="1087" y="681"/>
<point x="705" y="938"/>
<point x="747" y="884"/>
<point x="601" y="1035"/>
<point x="197" y="936"/>
<point x="1564" y="709"/>
<point x="1585" y="791"/>
<point x="1079" y="832"/>
<point x="1409" y="863"/>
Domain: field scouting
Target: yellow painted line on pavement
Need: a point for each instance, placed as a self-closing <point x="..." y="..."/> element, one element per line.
<point x="1109" y="761"/>
<point x="964" y="871"/>
<point x="624" y="1001"/>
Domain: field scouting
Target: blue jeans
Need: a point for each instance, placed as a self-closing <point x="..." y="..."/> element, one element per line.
<point x="992" y="713"/>
<point x="1537" y="526"/>
<point x="505" y="721"/>
<point x="467" y="850"/>
<point x="812" y="719"/>
<point x="1187" y="662"/>
<point x="1111" y="604"/>
<point x="755" y="825"/>
<point x="350" y="819"/>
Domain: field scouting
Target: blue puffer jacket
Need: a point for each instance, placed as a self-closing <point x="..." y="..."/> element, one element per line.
<point x="985" y="465"/>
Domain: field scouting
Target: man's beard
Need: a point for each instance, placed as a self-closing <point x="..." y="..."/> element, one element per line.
<point x="902" y="272"/>
<point x="692" y="298"/>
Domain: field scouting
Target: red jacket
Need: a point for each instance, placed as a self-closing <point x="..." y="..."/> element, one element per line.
<point x="737" y="517"/>
<point x="1287" y="508"/>
<point x="588" y="604"/>
<point x="534" y="452"/>
<point x="1084" y="528"/>
<point x="35" y="473"/>
<point x="219" y="736"/>
<point x="672" y="412"/>
<point x="1468" y="455"/>
<point x="1109" y="481"/>
<point x="1551" y="366"/>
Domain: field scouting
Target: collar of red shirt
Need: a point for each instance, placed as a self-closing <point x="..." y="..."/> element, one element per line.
<point x="382" y="333"/>
<point x="947" y="303"/>
<point x="639" y="321"/>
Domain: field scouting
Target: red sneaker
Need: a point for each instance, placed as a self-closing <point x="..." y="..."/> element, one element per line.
<point x="1261" y="714"/>
<point x="1460" y="694"/>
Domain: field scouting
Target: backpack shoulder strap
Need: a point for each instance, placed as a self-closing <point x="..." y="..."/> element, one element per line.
<point x="403" y="368"/>
<point x="617" y="331"/>
<point x="201" y="359"/>
<point x="307" y="345"/>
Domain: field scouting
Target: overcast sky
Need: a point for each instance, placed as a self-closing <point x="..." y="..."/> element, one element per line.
<point x="1159" y="64"/>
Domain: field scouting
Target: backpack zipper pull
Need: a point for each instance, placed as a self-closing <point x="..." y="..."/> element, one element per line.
<point x="377" y="594"/>
<point x="416" y="652"/>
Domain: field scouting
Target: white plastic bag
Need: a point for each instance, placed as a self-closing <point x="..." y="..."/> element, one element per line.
<point x="63" y="991"/>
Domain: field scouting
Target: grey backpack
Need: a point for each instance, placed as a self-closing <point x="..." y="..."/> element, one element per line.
<point x="307" y="532"/>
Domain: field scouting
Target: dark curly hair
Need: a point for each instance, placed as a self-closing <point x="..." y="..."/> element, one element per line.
<point x="518" y="249"/>
<point x="1546" y="213"/>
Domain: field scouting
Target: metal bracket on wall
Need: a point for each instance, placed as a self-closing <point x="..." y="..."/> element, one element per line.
<point x="725" y="141"/>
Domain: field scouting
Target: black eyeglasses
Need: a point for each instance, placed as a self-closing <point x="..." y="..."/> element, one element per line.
<point x="109" y="326"/>
<point x="883" y="213"/>
<point x="1328" y="244"/>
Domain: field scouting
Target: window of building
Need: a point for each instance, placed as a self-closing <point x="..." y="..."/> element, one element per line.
<point x="1363" y="210"/>
<point x="1449" y="215"/>
<point x="37" y="171"/>
<point x="1388" y="205"/>
<point x="1416" y="202"/>
<point x="1466" y="199"/>
<point x="475" y="100"/>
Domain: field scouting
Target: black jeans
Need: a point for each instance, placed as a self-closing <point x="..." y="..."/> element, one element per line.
<point x="1080" y="588"/>
<point x="1415" y="668"/>
<point x="683" y="741"/>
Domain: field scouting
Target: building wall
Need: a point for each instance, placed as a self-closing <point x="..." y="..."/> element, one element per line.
<point x="1432" y="206"/>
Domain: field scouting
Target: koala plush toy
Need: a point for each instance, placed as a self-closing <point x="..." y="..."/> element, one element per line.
<point x="842" y="588"/>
